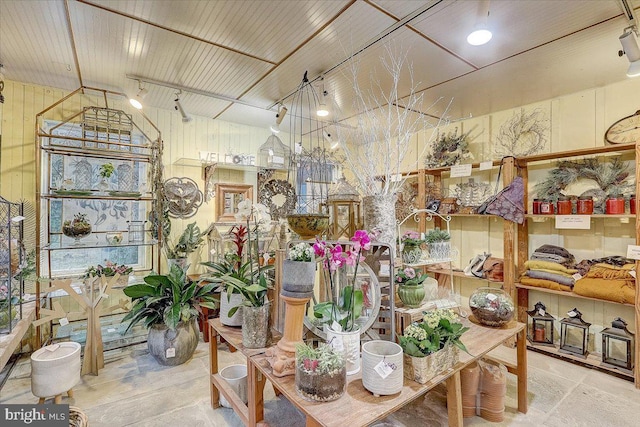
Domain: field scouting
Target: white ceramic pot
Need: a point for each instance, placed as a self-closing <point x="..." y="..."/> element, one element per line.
<point x="349" y="344"/>
<point x="55" y="369"/>
<point x="236" y="377"/>
<point x="227" y="304"/>
<point x="382" y="370"/>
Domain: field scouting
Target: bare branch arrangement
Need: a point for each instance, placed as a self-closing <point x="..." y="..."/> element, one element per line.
<point x="376" y="147"/>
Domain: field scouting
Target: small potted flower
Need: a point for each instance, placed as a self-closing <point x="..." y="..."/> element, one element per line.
<point x="410" y="288"/>
<point x="431" y="346"/>
<point x="105" y="172"/>
<point x="411" y="251"/>
<point x="439" y="245"/>
<point x="299" y="271"/>
<point x="109" y="269"/>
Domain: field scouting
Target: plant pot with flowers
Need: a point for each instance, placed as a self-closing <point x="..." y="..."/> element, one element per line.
<point x="109" y="270"/>
<point x="169" y="305"/>
<point x="431" y="346"/>
<point x="411" y="247"/>
<point x="439" y="245"/>
<point x="410" y="288"/>
<point x="321" y="373"/>
<point x="299" y="270"/>
<point x="340" y="312"/>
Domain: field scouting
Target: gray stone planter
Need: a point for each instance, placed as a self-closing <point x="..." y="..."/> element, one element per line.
<point x="298" y="276"/>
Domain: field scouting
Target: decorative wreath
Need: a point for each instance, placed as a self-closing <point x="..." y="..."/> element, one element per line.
<point x="610" y="176"/>
<point x="449" y="149"/>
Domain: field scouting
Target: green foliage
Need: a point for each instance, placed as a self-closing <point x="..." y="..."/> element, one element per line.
<point x="420" y="340"/>
<point x="188" y="242"/>
<point x="106" y="170"/>
<point x="342" y="311"/>
<point x="322" y="359"/>
<point x="436" y="235"/>
<point x="247" y="279"/>
<point x="168" y="299"/>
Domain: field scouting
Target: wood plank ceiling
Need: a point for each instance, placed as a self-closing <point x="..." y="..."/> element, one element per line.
<point x="257" y="51"/>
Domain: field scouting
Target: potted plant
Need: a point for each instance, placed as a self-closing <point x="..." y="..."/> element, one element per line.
<point x="178" y="251"/>
<point x="411" y="250"/>
<point x="431" y="346"/>
<point x="410" y="289"/>
<point x="321" y="374"/>
<point x="110" y="269"/>
<point x="169" y="305"/>
<point x="105" y="172"/>
<point x="437" y="241"/>
<point x="345" y="299"/>
<point x="299" y="271"/>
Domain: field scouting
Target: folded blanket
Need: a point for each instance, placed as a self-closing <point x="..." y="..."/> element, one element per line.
<point x="550" y="257"/>
<point x="621" y="291"/>
<point x="541" y="283"/>
<point x="559" y="273"/>
<point x="546" y="275"/>
<point x="611" y="272"/>
<point x="546" y="265"/>
<point x="555" y="250"/>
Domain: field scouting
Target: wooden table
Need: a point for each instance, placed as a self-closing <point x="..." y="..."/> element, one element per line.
<point x="357" y="403"/>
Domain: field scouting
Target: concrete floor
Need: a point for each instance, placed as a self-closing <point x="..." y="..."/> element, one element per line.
<point x="133" y="390"/>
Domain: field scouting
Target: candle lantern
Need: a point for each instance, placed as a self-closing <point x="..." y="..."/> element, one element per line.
<point x="344" y="209"/>
<point x="540" y="328"/>
<point x="618" y="345"/>
<point x="574" y="333"/>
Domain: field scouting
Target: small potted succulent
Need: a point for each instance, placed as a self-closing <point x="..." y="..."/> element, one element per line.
<point x="437" y="241"/>
<point x="321" y="373"/>
<point x="77" y="228"/>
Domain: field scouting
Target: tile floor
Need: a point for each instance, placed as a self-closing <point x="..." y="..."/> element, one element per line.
<point x="133" y="390"/>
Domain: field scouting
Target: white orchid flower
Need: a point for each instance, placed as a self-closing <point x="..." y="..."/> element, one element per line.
<point x="244" y="210"/>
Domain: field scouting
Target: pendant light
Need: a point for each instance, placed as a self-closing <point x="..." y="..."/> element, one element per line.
<point x="481" y="33"/>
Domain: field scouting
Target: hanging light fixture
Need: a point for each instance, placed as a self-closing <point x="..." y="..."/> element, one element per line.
<point x="136" y="101"/>
<point x="185" y="117"/>
<point x="481" y="33"/>
<point x="322" y="108"/>
<point x="630" y="48"/>
<point x="275" y="128"/>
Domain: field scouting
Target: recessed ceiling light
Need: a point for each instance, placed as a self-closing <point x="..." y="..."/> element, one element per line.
<point x="479" y="37"/>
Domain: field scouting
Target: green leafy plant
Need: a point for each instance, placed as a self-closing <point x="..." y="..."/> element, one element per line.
<point x="106" y="170"/>
<point x="323" y="359"/>
<point x="409" y="276"/>
<point x="436" y="235"/>
<point x="108" y="270"/>
<point x="233" y="275"/>
<point x="438" y="328"/>
<point x="168" y="299"/>
<point x="188" y="242"/>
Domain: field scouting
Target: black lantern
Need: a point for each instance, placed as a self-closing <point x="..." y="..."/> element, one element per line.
<point x="540" y="328"/>
<point x="574" y="333"/>
<point x="618" y="345"/>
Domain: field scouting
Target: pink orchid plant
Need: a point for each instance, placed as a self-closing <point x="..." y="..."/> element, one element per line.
<point x="342" y="306"/>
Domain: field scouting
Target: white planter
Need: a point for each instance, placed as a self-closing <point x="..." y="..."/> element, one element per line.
<point x="387" y="356"/>
<point x="236" y="377"/>
<point x="226" y="305"/>
<point x="349" y="344"/>
<point x="430" y="289"/>
<point x="55" y="369"/>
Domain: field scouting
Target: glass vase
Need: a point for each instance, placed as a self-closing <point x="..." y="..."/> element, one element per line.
<point x="491" y="306"/>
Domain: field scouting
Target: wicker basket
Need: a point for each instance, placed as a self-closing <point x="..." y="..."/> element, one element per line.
<point x="423" y="369"/>
<point x="77" y="418"/>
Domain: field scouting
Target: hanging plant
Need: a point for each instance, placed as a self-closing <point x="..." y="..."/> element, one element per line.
<point x="448" y="150"/>
<point x="610" y="177"/>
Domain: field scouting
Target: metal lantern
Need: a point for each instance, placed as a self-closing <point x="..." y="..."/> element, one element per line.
<point x="273" y="154"/>
<point x="540" y="327"/>
<point x="344" y="209"/>
<point x="618" y="345"/>
<point x="574" y="333"/>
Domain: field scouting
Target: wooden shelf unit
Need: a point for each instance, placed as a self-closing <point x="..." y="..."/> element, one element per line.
<point x="522" y="243"/>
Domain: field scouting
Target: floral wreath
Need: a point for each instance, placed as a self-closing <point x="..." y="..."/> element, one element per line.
<point x="449" y="149"/>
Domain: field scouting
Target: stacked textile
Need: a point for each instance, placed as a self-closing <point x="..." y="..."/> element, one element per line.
<point x="608" y="281"/>
<point x="550" y="267"/>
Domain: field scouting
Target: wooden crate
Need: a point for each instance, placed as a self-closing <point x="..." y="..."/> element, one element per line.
<point x="406" y="316"/>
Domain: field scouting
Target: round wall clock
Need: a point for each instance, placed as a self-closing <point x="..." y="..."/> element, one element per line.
<point x="625" y="130"/>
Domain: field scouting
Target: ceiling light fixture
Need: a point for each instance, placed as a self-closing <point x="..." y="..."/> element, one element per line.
<point x="481" y="34"/>
<point x="630" y="48"/>
<point x="282" y="111"/>
<point x="185" y="117"/>
<point x="136" y="101"/>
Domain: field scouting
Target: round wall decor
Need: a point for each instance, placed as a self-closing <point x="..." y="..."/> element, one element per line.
<point x="183" y="197"/>
<point x="279" y="196"/>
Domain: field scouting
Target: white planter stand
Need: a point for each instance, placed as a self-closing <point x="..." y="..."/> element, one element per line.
<point x="55" y="369"/>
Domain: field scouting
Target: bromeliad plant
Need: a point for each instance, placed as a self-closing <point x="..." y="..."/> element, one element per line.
<point x="438" y="328"/>
<point x="188" y="242"/>
<point x="343" y="304"/>
<point x="168" y="299"/>
<point x="240" y="272"/>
